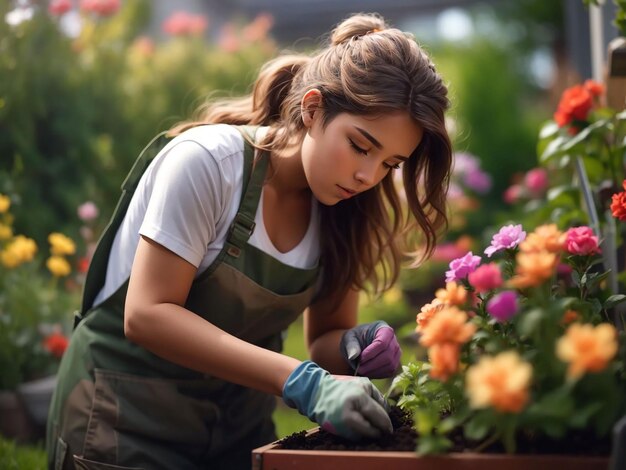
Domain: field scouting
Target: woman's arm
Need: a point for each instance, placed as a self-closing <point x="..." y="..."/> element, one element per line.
<point x="324" y="327"/>
<point x="155" y="318"/>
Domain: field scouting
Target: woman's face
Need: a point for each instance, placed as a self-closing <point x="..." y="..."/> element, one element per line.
<point x="354" y="153"/>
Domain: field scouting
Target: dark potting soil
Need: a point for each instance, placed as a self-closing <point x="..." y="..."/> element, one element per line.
<point x="404" y="438"/>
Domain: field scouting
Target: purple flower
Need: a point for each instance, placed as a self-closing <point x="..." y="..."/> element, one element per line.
<point x="478" y="181"/>
<point x="503" y="305"/>
<point x="464" y="163"/>
<point x="461" y="267"/>
<point x="509" y="236"/>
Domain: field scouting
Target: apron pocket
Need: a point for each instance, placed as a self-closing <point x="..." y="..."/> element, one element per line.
<point x="133" y="415"/>
<point x="84" y="464"/>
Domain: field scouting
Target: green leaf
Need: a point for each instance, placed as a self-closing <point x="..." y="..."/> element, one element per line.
<point x="614" y="300"/>
<point x="478" y="426"/>
<point x="548" y="129"/>
<point x="530" y="322"/>
<point x="583" y="134"/>
<point x="553" y="149"/>
<point x="433" y="444"/>
<point x="580" y="417"/>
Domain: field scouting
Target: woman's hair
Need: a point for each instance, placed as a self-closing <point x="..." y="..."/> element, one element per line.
<point x="367" y="69"/>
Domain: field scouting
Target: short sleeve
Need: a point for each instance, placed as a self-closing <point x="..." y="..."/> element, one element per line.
<point x="185" y="202"/>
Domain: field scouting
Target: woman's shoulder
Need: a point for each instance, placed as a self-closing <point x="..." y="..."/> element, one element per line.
<point x="220" y="140"/>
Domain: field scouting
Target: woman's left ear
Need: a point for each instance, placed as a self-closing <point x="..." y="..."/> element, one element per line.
<point x="310" y="106"/>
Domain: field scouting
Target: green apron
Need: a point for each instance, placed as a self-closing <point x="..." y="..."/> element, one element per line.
<point x="119" y="406"/>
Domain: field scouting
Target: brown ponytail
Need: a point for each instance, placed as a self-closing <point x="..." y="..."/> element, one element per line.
<point x="368" y="68"/>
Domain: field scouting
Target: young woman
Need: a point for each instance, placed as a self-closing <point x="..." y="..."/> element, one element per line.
<point x="224" y="235"/>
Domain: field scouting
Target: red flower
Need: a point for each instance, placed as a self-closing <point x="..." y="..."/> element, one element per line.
<point x="595" y="88"/>
<point x="618" y="204"/>
<point x="56" y="344"/>
<point x="575" y="104"/>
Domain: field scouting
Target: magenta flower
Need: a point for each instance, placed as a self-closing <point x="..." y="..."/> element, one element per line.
<point x="461" y="267"/>
<point x="509" y="236"/>
<point x="503" y="305"/>
<point x="581" y="241"/>
<point x="486" y="277"/>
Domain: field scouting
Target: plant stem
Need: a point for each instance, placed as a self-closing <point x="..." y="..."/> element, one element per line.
<point x="487" y="442"/>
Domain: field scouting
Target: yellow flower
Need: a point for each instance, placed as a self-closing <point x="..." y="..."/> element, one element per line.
<point x="6" y="232"/>
<point x="533" y="268"/>
<point x="545" y="238"/>
<point x="58" y="266"/>
<point x="587" y="348"/>
<point x="5" y="203"/>
<point x="10" y="259"/>
<point x="20" y="250"/>
<point x="61" y="245"/>
<point x="501" y="381"/>
<point x="453" y="294"/>
<point x="448" y="326"/>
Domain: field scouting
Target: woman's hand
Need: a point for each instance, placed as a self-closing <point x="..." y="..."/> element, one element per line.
<point x="371" y="349"/>
<point x="351" y="408"/>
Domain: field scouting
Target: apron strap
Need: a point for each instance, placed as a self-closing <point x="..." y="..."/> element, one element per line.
<point x="96" y="275"/>
<point x="243" y="224"/>
<point x="98" y="266"/>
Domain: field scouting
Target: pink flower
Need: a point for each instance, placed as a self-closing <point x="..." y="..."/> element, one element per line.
<point x="536" y="180"/>
<point x="100" y="7"/>
<point x="486" y="278"/>
<point x="59" y="7"/>
<point x="185" y="24"/>
<point x="503" y="305"/>
<point x="509" y="236"/>
<point x="512" y="194"/>
<point x="581" y="241"/>
<point x="87" y="211"/>
<point x="461" y="267"/>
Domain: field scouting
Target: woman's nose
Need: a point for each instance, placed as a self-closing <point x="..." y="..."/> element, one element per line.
<point x="366" y="174"/>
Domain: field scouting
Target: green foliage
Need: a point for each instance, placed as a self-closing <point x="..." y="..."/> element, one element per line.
<point x="14" y="457"/>
<point x="75" y="113"/>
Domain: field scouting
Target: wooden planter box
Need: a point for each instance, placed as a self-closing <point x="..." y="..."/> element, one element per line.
<point x="269" y="457"/>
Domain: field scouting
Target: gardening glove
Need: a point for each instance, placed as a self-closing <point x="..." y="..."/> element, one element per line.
<point x="371" y="349"/>
<point x="351" y="407"/>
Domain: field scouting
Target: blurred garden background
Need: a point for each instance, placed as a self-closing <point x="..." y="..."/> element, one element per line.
<point x="84" y="85"/>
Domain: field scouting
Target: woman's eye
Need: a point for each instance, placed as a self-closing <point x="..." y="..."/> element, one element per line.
<point x="392" y="166"/>
<point x="357" y="148"/>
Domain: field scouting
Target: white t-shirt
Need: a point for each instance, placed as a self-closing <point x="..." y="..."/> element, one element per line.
<point x="186" y="201"/>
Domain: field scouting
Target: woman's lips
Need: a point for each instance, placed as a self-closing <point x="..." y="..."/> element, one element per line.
<point x="345" y="192"/>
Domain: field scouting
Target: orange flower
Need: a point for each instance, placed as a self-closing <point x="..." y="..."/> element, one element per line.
<point x="587" y="348"/>
<point x="570" y="316"/>
<point x="448" y="326"/>
<point x="545" y="238"/>
<point x="444" y="360"/>
<point x="533" y="269"/>
<point x="618" y="204"/>
<point x="501" y="382"/>
<point x="453" y="294"/>
<point x="427" y="312"/>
